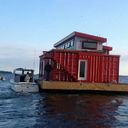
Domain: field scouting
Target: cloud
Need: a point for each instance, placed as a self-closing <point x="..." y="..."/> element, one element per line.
<point x="12" y="57"/>
<point x="123" y="70"/>
<point x="124" y="57"/>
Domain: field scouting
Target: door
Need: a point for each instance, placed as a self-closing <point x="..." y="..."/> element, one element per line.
<point x="82" y="70"/>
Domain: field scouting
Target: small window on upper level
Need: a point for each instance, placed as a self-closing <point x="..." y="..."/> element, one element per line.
<point x="68" y="44"/>
<point x="89" y="45"/>
<point x="71" y="43"/>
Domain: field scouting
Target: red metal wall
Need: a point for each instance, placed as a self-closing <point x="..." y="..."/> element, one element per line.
<point x="101" y="68"/>
<point x="65" y="64"/>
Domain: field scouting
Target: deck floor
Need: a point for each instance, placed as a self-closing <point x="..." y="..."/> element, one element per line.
<point x="77" y="86"/>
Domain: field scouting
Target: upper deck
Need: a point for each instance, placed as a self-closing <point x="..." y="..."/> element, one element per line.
<point x="82" y="41"/>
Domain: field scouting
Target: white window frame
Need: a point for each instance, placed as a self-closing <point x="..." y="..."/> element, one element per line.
<point x="85" y="72"/>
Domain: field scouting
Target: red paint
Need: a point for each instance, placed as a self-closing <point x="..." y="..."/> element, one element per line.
<point x="101" y="68"/>
<point x="92" y="37"/>
<point x="107" y="48"/>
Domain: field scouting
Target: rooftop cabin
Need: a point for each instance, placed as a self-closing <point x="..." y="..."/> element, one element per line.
<point x="81" y="57"/>
<point x="85" y="42"/>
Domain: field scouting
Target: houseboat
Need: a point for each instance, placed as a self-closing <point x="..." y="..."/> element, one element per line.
<point x="80" y="62"/>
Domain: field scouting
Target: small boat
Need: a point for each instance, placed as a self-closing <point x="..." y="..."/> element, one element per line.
<point x="23" y="81"/>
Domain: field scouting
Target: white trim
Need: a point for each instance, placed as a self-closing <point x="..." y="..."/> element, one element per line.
<point x="67" y="37"/>
<point x="43" y="66"/>
<point x="85" y="72"/>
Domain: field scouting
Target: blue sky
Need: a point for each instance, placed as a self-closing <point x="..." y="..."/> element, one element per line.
<point x="28" y="27"/>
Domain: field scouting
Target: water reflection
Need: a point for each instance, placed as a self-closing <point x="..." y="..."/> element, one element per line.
<point x="91" y="111"/>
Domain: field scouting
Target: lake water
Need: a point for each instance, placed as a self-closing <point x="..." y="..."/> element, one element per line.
<point x="45" y="110"/>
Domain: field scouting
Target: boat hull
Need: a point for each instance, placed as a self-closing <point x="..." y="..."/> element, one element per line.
<point x="24" y="87"/>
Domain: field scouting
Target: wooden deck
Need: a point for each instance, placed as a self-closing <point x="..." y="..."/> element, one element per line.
<point x="77" y="86"/>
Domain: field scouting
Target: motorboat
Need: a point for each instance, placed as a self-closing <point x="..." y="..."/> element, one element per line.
<point x="23" y="81"/>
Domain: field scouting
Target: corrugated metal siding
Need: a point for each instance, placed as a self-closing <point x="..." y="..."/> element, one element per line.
<point x="101" y="68"/>
<point x="65" y="66"/>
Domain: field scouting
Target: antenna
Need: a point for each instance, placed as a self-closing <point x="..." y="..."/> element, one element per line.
<point x="33" y="66"/>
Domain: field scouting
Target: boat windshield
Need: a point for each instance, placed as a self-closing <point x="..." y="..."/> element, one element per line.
<point x="20" y="74"/>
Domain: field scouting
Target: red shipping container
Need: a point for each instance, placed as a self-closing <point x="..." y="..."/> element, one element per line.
<point x="73" y="65"/>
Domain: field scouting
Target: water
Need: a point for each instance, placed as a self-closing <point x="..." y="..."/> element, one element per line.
<point x="45" y="110"/>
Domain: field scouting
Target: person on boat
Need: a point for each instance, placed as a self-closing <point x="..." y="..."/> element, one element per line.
<point x="48" y="69"/>
<point x="27" y="77"/>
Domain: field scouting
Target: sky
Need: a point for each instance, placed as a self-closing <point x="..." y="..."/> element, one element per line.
<point x="28" y="27"/>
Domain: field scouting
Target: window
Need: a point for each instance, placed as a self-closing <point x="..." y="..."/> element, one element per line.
<point x="67" y="45"/>
<point x="71" y="43"/>
<point x="89" y="45"/>
<point x="82" y="70"/>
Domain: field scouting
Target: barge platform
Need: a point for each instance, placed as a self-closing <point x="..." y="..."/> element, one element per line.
<point x="101" y="88"/>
